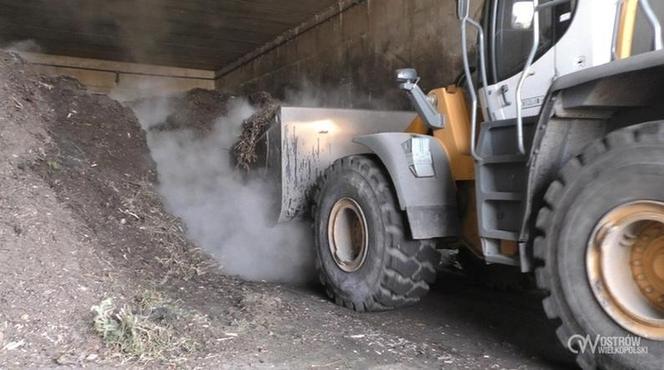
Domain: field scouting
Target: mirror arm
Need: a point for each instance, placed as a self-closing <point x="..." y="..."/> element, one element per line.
<point x="430" y="114"/>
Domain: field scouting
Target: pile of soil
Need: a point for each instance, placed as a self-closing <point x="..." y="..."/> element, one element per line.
<point x="51" y="271"/>
<point x="81" y="221"/>
<point x="197" y="109"/>
<point x="100" y="165"/>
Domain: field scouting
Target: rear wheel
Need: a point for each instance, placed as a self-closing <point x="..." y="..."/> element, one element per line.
<point x="601" y="250"/>
<point x="364" y="258"/>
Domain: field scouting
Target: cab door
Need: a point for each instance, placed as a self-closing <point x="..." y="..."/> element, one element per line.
<point x="508" y="51"/>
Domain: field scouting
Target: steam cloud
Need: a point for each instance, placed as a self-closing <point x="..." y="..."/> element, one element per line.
<point x="224" y="216"/>
<point x="23" y="45"/>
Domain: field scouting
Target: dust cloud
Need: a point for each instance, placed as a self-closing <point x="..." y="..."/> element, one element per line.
<point x="305" y="93"/>
<point x="224" y="214"/>
<point x="28" y="45"/>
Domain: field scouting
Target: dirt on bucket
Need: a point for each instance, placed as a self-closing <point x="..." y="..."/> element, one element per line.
<point x="244" y="151"/>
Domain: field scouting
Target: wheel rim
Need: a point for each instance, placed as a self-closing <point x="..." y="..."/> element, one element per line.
<point x="347" y="235"/>
<point x="625" y="265"/>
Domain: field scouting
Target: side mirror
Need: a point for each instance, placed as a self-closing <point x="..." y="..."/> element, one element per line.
<point x="407" y="75"/>
<point x="523" y="14"/>
<point x="463" y="8"/>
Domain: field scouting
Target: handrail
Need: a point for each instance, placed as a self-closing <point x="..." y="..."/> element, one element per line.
<point x="626" y="13"/>
<point x="616" y="29"/>
<point x="469" y="81"/>
<point x="525" y="74"/>
<point x="494" y="29"/>
<point x="654" y="22"/>
<point x="483" y="64"/>
<point x="465" y="21"/>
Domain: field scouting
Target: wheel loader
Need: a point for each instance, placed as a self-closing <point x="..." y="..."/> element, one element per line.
<point x="547" y="157"/>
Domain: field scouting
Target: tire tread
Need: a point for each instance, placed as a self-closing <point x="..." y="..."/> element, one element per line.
<point x="410" y="266"/>
<point x="553" y="303"/>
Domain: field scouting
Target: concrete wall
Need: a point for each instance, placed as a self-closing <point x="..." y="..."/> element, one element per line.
<point x="125" y="80"/>
<point x="349" y="60"/>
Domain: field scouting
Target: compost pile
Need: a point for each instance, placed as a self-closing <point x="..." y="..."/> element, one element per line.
<point x="82" y="225"/>
<point x="197" y="109"/>
<point x="50" y="273"/>
<point x="101" y="165"/>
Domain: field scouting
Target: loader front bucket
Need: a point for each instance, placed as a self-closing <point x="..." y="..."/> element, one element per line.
<point x="302" y="142"/>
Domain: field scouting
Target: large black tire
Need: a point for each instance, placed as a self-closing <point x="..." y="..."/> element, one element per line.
<point x="625" y="166"/>
<point x="396" y="271"/>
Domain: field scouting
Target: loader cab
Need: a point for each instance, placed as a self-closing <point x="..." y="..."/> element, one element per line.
<point x="605" y="31"/>
<point x="558" y="38"/>
<point x="508" y="47"/>
<point x="522" y="48"/>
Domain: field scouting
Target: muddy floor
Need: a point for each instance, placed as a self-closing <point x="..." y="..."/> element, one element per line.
<point x="96" y="273"/>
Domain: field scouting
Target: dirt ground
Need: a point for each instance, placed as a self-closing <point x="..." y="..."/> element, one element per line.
<point x="81" y="222"/>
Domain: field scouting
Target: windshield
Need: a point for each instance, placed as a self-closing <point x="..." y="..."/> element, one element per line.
<point x="509" y="48"/>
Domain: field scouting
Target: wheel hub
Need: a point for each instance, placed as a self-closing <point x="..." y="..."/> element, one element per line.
<point x="625" y="265"/>
<point x="648" y="263"/>
<point x="348" y="235"/>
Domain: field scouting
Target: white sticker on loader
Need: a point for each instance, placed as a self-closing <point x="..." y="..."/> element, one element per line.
<point x="419" y="156"/>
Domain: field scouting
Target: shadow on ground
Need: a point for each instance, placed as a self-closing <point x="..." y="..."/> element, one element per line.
<point x="485" y="326"/>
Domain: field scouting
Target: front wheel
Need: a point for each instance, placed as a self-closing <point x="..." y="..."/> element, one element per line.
<point x="364" y="258"/>
<point x="601" y="251"/>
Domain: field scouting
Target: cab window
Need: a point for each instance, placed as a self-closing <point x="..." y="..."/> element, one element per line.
<point x="509" y="48"/>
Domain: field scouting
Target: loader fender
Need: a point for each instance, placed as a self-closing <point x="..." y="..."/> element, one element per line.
<point x="420" y="171"/>
<point x="586" y="105"/>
